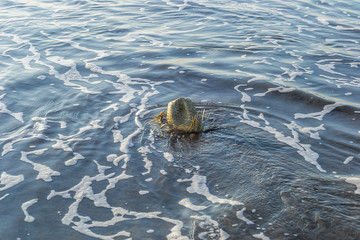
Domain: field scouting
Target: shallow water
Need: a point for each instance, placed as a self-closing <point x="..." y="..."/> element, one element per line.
<point x="80" y="84"/>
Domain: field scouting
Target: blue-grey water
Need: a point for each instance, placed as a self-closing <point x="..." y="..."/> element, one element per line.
<point x="81" y="82"/>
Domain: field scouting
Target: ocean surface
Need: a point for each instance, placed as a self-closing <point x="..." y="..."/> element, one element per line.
<point x="81" y="156"/>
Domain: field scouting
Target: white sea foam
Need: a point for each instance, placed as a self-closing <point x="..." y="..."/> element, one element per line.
<point x="8" y="147"/>
<point x="127" y="143"/>
<point x="240" y="215"/>
<point x="264" y="61"/>
<point x="303" y="149"/>
<point x="85" y="224"/>
<point x="261" y="116"/>
<point x="92" y="126"/>
<point x="323" y="20"/>
<point x="61" y="144"/>
<point x="145" y="150"/>
<point x="25" y="206"/>
<point x="40" y="125"/>
<point x="25" y="61"/>
<point x="257" y="78"/>
<point x="71" y="75"/>
<point x="278" y="89"/>
<point x="312" y="131"/>
<point x="113" y="106"/>
<point x="188" y="204"/>
<point x="319" y="115"/>
<point x="173" y="67"/>
<point x="198" y="186"/>
<point x="168" y="156"/>
<point x="125" y="118"/>
<point x="74" y="160"/>
<point x="9" y="180"/>
<point x="355" y="180"/>
<point x="143" y="192"/>
<point x="3" y="197"/>
<point x="261" y="236"/>
<point x="245" y="97"/>
<point x="329" y="68"/>
<point x="348" y="159"/>
<point x="115" y="159"/>
<point x="179" y="6"/>
<point x="133" y="90"/>
<point x="3" y="109"/>
<point x="118" y="137"/>
<point x="355" y="64"/>
<point x="44" y="172"/>
<point x="18" y="137"/>
<point x="67" y="77"/>
<point x="293" y="53"/>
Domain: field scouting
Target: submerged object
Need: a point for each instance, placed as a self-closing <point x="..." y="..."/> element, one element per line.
<point x="181" y="115"/>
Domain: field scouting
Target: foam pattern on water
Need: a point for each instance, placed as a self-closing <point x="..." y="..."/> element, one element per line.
<point x="80" y="83"/>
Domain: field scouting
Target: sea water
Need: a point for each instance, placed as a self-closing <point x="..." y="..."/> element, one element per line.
<point x="81" y="82"/>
